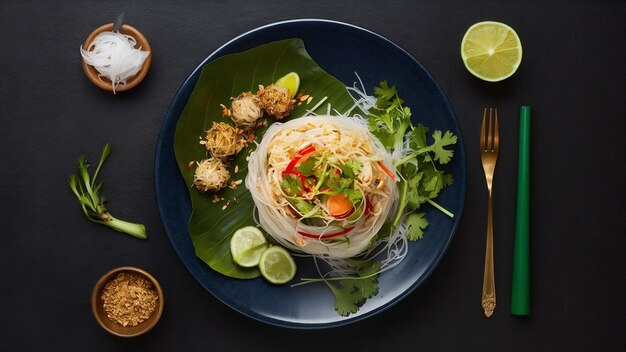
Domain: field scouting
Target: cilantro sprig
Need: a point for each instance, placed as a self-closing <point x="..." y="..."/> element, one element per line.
<point x="388" y="120"/>
<point x="421" y="179"/>
<point x="351" y="292"/>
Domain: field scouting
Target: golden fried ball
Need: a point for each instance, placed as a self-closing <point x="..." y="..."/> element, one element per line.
<point x="246" y="110"/>
<point x="211" y="175"/>
<point x="275" y="101"/>
<point x="223" y="140"/>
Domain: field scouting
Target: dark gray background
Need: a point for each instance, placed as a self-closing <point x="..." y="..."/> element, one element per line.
<point x="572" y="74"/>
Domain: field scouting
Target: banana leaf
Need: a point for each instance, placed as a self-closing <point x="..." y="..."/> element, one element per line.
<point x="211" y="225"/>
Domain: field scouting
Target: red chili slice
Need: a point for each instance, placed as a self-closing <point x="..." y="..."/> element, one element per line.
<point x="294" y="212"/>
<point x="299" y="155"/>
<point x="300" y="175"/>
<point x="345" y="215"/>
<point x="330" y="235"/>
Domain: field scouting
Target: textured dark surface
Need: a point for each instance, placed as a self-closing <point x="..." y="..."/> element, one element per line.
<point x="572" y="74"/>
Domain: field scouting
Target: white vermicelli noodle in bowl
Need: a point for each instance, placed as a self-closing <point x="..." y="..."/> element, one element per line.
<point x="339" y="139"/>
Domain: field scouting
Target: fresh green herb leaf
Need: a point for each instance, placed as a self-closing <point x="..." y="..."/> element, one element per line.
<point x="385" y="95"/>
<point x="368" y="271"/>
<point x="418" y="136"/>
<point x="354" y="195"/>
<point x="352" y="292"/>
<point x="306" y="167"/>
<point x="389" y="120"/>
<point x="291" y="184"/>
<point x="346" y="171"/>
<point x="347" y="298"/>
<point x="302" y="206"/>
<point x="415" y="224"/>
<point x="433" y="181"/>
<point x="354" y="166"/>
<point x="346" y="183"/>
<point x="414" y="198"/>
<point x="338" y="184"/>
<point x="441" y="154"/>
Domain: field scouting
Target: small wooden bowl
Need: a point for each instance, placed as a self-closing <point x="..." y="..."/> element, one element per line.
<point x="105" y="83"/>
<point x="117" y="329"/>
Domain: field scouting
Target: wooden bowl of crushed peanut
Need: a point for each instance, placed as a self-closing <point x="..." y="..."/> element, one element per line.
<point x="127" y="301"/>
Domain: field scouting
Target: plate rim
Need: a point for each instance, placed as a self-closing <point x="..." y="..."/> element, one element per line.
<point x="352" y="319"/>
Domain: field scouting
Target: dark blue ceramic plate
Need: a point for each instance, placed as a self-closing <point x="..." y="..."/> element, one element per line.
<point x="340" y="49"/>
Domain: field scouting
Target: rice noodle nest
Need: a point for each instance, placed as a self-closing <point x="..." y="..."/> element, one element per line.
<point x="340" y="137"/>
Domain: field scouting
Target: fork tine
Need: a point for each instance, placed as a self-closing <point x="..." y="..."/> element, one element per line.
<point x="483" y="137"/>
<point x="490" y="134"/>
<point x="496" y="137"/>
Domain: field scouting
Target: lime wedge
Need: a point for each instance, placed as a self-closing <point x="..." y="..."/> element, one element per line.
<point x="247" y="245"/>
<point x="291" y="82"/>
<point x="491" y="51"/>
<point x="277" y="265"/>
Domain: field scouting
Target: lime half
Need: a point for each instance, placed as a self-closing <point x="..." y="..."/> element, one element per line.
<point x="491" y="51"/>
<point x="291" y="82"/>
<point x="247" y="245"/>
<point x="277" y="265"/>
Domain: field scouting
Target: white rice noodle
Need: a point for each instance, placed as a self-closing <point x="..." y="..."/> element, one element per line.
<point x="344" y="138"/>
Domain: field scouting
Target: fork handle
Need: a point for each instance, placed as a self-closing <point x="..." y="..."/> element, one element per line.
<point x="489" y="285"/>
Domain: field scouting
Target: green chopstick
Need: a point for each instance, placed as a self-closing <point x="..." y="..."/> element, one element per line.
<point x="520" y="293"/>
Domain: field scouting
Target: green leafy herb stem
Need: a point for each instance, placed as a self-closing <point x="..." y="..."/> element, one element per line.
<point x="351" y="292"/>
<point x="87" y="192"/>
<point x="421" y="180"/>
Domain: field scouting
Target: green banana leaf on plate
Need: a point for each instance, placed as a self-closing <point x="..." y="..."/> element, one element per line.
<point x="213" y="222"/>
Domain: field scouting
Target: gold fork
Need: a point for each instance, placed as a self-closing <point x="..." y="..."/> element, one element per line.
<point x="489" y="142"/>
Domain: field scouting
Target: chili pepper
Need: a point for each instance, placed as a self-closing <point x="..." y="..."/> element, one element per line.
<point x="330" y="235"/>
<point x="299" y="155"/>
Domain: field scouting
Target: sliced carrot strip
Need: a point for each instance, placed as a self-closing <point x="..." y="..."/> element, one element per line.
<point x="386" y="170"/>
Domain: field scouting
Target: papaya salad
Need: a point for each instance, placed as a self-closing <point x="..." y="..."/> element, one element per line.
<point x="320" y="185"/>
<point x="344" y="190"/>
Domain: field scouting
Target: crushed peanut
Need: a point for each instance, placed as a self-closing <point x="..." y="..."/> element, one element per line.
<point x="129" y="299"/>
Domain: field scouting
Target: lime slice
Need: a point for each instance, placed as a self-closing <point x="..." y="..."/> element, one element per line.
<point x="277" y="265"/>
<point x="291" y="82"/>
<point x="247" y="245"/>
<point x="491" y="51"/>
